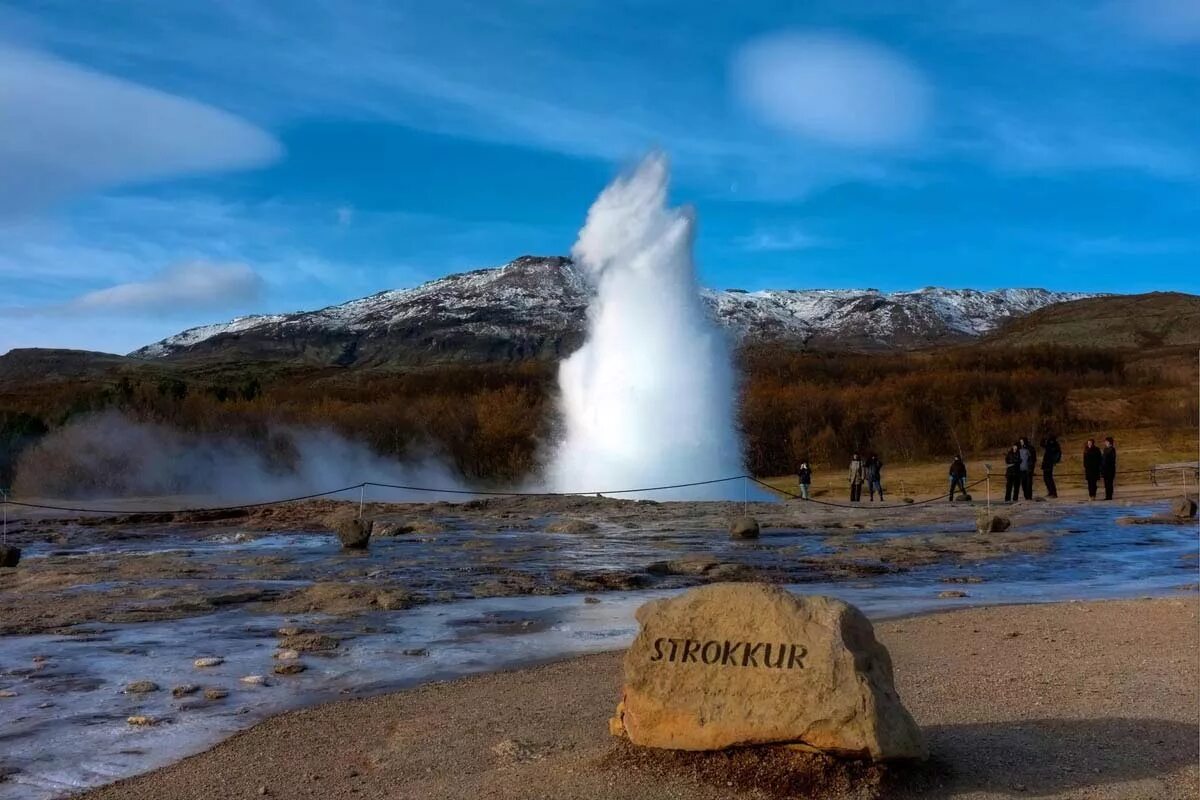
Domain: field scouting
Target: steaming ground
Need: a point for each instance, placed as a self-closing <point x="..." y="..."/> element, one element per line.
<point x="648" y="400"/>
<point x="109" y="455"/>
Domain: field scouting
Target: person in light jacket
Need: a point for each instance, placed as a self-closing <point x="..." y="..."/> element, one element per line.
<point x="1028" y="461"/>
<point x="856" y="478"/>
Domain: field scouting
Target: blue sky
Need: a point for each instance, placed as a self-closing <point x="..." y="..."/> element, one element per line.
<point x="166" y="164"/>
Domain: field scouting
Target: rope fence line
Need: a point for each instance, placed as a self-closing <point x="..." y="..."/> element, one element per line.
<point x="848" y="505"/>
<point x="6" y="499"/>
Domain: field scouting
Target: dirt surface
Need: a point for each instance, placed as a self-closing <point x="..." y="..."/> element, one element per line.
<point x="1095" y="700"/>
<point x="138" y="567"/>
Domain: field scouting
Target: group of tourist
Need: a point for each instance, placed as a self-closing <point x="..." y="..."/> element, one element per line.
<point x="1020" y="463"/>
<point x="1099" y="464"/>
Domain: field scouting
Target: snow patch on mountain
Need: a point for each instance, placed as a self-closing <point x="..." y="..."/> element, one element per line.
<point x="536" y="296"/>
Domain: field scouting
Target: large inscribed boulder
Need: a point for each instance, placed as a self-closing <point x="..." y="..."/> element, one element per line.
<point x="749" y="663"/>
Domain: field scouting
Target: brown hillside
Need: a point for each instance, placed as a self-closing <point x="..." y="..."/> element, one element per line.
<point x="1126" y="322"/>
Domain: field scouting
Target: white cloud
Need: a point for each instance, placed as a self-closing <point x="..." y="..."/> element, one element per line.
<point x="831" y="88"/>
<point x="1015" y="142"/>
<point x="187" y="287"/>
<point x="68" y="129"/>
<point x="1173" y="21"/>
<point x="766" y="240"/>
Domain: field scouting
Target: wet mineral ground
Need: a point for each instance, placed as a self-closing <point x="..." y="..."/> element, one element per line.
<point x="104" y="619"/>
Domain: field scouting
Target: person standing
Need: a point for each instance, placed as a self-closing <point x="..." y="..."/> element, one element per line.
<point x="1108" y="466"/>
<point x="1093" y="460"/>
<point x="804" y="473"/>
<point x="1012" y="474"/>
<point x="958" y="476"/>
<point x="1051" y="455"/>
<point x="856" y="478"/>
<point x="1028" y="462"/>
<point x="873" y="475"/>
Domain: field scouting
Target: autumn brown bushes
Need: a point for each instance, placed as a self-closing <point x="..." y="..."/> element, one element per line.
<point x="494" y="423"/>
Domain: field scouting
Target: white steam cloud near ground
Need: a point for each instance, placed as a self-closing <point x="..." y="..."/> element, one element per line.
<point x="649" y="399"/>
<point x="109" y="455"/>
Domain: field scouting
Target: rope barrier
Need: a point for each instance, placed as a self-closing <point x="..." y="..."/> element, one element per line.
<point x="848" y="505"/>
<point x="558" y="494"/>
<point x="8" y="501"/>
<point x="78" y="510"/>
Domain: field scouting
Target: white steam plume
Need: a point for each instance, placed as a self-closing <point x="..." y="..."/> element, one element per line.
<point x="109" y="455"/>
<point x="649" y="398"/>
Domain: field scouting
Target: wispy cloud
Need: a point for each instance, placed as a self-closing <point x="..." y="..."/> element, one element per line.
<point x="777" y="240"/>
<point x="68" y="130"/>
<point x="181" y="288"/>
<point x="1170" y="21"/>
<point x="831" y="88"/>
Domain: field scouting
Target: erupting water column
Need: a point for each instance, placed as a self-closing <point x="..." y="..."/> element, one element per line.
<point x="649" y="398"/>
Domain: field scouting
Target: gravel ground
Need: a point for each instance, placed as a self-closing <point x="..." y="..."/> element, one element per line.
<point x="1095" y="700"/>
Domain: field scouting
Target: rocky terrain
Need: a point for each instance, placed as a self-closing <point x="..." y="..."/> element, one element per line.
<point x="535" y="307"/>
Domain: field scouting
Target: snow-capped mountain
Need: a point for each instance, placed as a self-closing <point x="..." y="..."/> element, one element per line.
<point x="536" y="307"/>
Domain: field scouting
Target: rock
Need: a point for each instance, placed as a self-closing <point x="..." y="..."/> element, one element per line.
<point x="415" y="651"/>
<point x="309" y="643"/>
<point x="10" y="555"/>
<point x="184" y="690"/>
<point x="964" y="497"/>
<point x="1184" y="508"/>
<point x="292" y="631"/>
<point x="571" y="526"/>
<point x="7" y="693"/>
<point x="286" y="655"/>
<point x="208" y="661"/>
<point x="743" y="528"/>
<point x="289" y="668"/>
<point x="141" y="720"/>
<point x="993" y="523"/>
<point x="354" y="533"/>
<point x="690" y="564"/>
<point x="740" y="664"/>
<point x="141" y="687"/>
<point x="255" y="680"/>
<point x="418" y="525"/>
<point x="952" y="593"/>
<point x="215" y="693"/>
<point x="591" y="600"/>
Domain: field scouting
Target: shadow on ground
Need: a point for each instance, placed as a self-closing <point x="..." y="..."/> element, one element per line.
<point x="1040" y="757"/>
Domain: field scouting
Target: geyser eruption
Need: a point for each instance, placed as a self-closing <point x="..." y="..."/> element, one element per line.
<point x="649" y="398"/>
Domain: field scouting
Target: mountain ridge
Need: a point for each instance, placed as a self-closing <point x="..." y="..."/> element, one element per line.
<point x="535" y="307"/>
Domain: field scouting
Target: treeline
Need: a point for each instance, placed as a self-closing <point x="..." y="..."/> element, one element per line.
<point x="494" y="423"/>
<point x="825" y="406"/>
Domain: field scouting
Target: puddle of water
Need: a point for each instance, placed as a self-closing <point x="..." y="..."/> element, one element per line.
<point x="66" y="729"/>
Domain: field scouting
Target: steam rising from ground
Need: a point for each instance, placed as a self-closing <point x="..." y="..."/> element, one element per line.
<point x="109" y="455"/>
<point x="649" y="398"/>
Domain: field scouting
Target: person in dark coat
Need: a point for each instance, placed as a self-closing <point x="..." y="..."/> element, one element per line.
<point x="1051" y="455"/>
<point x="1093" y="460"/>
<point x="1028" y="461"/>
<point x="1108" y="466"/>
<point x="958" y="476"/>
<point x="1012" y="474"/>
<point x="804" y="473"/>
<point x="873" y="476"/>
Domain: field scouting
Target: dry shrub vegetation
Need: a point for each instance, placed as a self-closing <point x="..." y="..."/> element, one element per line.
<point x="492" y="423"/>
